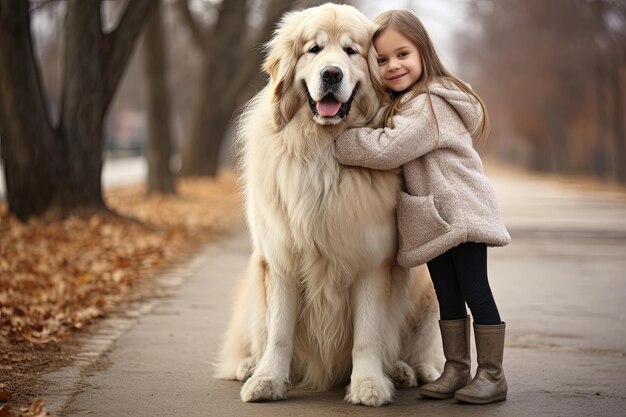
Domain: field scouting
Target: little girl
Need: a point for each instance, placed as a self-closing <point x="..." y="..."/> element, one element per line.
<point x="449" y="214"/>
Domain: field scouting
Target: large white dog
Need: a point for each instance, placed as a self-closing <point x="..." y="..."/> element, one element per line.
<point x="323" y="301"/>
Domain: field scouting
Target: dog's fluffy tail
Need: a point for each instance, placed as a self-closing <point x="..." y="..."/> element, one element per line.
<point x="238" y="350"/>
<point x="233" y="350"/>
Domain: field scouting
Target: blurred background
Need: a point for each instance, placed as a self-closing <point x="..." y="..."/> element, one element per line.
<point x="125" y="107"/>
<point x="552" y="74"/>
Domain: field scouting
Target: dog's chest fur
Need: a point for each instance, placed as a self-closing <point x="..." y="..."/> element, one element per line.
<point x="317" y="204"/>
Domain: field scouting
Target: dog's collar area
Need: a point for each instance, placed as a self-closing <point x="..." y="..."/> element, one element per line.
<point x="343" y="110"/>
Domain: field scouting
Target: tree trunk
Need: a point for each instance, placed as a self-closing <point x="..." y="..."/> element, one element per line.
<point x="619" y="137"/>
<point x="208" y="126"/>
<point x="559" y="147"/>
<point x="83" y="108"/>
<point x="57" y="170"/>
<point x="28" y="140"/>
<point x="159" y="144"/>
<point x="94" y="65"/>
<point x="600" y="159"/>
<point x="541" y="156"/>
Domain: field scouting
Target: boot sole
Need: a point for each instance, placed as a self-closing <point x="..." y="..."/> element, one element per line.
<point x="479" y="401"/>
<point x="435" y="395"/>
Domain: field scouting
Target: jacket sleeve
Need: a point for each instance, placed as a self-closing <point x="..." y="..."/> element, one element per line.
<point x="413" y="135"/>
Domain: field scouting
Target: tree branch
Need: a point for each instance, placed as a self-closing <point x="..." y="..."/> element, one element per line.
<point x="118" y="45"/>
<point x="198" y="34"/>
<point x="34" y="5"/>
<point x="254" y="53"/>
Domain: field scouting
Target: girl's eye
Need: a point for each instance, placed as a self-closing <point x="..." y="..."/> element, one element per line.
<point x="350" y="51"/>
<point x="402" y="54"/>
<point x="381" y="61"/>
<point x="315" y="49"/>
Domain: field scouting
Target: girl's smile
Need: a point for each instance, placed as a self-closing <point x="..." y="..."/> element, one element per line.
<point x="396" y="77"/>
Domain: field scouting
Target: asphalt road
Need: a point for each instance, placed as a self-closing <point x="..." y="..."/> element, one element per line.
<point x="560" y="286"/>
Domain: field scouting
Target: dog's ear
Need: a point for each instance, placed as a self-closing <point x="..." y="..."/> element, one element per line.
<point x="283" y="52"/>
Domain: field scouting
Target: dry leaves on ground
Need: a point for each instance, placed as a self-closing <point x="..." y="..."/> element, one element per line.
<point x="56" y="277"/>
<point x="36" y="409"/>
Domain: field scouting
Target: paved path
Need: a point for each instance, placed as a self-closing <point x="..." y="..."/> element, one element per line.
<point x="115" y="172"/>
<point x="561" y="287"/>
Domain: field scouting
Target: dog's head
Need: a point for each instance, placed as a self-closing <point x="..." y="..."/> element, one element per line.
<point x="319" y="58"/>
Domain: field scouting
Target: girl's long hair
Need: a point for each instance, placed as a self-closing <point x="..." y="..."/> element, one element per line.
<point x="406" y="23"/>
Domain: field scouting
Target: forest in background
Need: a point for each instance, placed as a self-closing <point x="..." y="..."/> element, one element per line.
<point x="552" y="74"/>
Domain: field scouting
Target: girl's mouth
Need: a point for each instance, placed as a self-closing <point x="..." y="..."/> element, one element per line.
<point x="396" y="77"/>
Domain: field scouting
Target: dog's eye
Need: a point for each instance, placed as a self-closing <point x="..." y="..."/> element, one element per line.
<point x="350" y="51"/>
<point x="315" y="49"/>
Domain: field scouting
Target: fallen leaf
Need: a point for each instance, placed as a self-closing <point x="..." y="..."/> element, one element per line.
<point x="5" y="395"/>
<point x="5" y="411"/>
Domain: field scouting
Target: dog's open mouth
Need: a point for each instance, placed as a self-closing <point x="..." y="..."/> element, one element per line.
<point x="329" y="107"/>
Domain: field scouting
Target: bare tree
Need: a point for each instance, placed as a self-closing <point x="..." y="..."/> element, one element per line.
<point x="55" y="168"/>
<point x="159" y="143"/>
<point x="229" y="67"/>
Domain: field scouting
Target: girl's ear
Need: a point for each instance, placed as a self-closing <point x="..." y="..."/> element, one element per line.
<point x="283" y="52"/>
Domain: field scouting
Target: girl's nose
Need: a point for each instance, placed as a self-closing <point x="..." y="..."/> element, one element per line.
<point x="393" y="64"/>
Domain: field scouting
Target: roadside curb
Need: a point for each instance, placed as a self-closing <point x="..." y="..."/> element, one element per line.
<point x="101" y="337"/>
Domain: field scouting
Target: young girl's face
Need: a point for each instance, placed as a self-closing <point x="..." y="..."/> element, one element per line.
<point x="399" y="61"/>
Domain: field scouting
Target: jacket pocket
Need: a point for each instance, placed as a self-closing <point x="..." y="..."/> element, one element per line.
<point x="419" y="221"/>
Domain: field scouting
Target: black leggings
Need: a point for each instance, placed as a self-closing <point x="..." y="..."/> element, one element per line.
<point x="460" y="276"/>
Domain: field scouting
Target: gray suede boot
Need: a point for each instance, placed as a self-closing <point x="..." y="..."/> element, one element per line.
<point x="455" y="335"/>
<point x="489" y="384"/>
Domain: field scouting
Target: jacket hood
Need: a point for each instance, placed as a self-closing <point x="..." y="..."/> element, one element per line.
<point x="465" y="105"/>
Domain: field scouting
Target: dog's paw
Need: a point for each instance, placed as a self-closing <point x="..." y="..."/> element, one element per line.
<point x="403" y="375"/>
<point x="264" y="388"/>
<point x="427" y="374"/>
<point x="371" y="391"/>
<point x="245" y="369"/>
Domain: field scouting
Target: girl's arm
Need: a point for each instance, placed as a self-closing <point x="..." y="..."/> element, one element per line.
<point x="414" y="134"/>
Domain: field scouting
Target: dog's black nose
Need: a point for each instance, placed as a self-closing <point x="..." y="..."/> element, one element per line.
<point x="331" y="74"/>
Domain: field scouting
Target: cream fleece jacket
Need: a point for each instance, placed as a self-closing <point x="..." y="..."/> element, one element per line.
<point x="448" y="199"/>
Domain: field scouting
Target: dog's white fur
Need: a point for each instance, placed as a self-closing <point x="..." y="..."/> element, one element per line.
<point x="323" y="301"/>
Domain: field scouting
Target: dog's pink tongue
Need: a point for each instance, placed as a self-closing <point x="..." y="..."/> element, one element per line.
<point x="328" y="108"/>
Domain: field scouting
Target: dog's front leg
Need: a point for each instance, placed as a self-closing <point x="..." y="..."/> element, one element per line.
<point x="271" y="377"/>
<point x="368" y="383"/>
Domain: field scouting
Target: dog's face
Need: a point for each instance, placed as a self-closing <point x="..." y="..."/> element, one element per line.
<point x="319" y="58"/>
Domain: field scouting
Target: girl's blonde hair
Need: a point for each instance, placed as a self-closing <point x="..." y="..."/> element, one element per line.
<point x="406" y="23"/>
